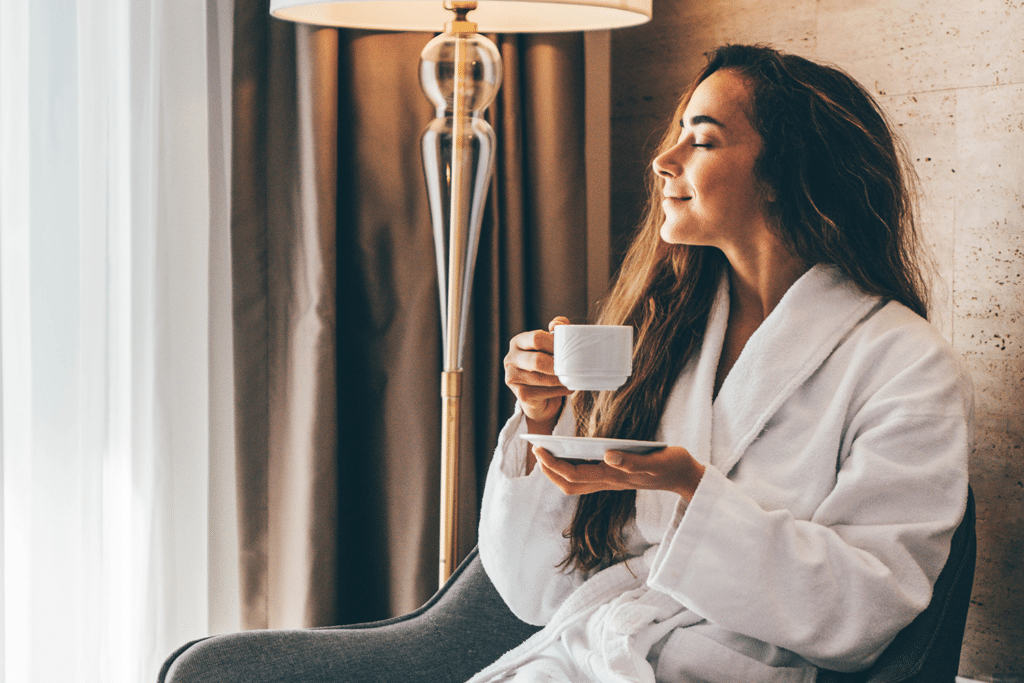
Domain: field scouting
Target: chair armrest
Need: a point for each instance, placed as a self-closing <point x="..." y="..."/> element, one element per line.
<point x="464" y="627"/>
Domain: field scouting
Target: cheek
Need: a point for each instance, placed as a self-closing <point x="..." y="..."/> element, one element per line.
<point x="711" y="172"/>
<point x="732" y="184"/>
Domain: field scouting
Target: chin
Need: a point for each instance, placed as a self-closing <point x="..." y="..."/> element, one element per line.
<point x="673" y="234"/>
<point x="668" y="234"/>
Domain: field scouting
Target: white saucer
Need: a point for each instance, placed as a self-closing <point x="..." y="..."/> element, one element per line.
<point x="588" y="447"/>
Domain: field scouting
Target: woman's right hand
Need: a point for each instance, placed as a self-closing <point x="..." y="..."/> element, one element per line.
<point x="530" y="374"/>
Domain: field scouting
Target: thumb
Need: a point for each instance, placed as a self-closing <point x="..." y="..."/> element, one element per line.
<point x="559" y="320"/>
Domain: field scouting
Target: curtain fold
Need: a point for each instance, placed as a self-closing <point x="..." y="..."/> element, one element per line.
<point x="389" y="345"/>
<point x="283" y="263"/>
<point x="338" y="337"/>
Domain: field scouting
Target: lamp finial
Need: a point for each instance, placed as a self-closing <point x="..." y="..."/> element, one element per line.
<point x="460" y="24"/>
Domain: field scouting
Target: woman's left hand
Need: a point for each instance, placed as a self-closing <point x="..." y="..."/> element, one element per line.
<point x="670" y="469"/>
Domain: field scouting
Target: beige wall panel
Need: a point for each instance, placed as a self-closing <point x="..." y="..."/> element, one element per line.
<point x="671" y="49"/>
<point x="989" y="330"/>
<point x="904" y="46"/>
<point x="926" y="121"/>
<point x="988" y="267"/>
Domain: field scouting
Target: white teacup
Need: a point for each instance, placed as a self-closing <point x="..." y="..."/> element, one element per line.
<point x="593" y="357"/>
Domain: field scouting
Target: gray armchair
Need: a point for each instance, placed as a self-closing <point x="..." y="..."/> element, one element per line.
<point x="466" y="626"/>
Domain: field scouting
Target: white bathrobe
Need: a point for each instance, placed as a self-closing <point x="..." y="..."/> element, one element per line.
<point x="836" y="456"/>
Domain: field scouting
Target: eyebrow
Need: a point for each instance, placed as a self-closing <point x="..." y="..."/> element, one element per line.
<point x="702" y="118"/>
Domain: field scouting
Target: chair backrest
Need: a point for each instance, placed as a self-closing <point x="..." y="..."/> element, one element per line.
<point x="928" y="649"/>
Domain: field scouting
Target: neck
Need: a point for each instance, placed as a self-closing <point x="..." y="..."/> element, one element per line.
<point x="760" y="277"/>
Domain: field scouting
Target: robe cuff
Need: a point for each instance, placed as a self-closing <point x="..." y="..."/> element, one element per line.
<point x="521" y="523"/>
<point x="511" y="496"/>
<point x="512" y="449"/>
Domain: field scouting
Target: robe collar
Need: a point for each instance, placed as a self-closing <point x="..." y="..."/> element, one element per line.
<point x="813" y="317"/>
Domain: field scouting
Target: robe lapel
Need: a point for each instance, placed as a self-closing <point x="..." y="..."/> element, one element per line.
<point x="812" y="318"/>
<point x="691" y="396"/>
<point x="690" y="399"/>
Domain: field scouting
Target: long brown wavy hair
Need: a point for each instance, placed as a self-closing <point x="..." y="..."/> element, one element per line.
<point x="843" y="195"/>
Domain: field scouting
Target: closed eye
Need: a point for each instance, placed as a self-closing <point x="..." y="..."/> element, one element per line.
<point x="705" y="145"/>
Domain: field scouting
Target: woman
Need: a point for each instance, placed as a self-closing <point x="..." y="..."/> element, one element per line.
<point x="818" y="427"/>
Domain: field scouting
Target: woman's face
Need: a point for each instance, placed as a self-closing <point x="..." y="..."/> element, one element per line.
<point x="711" y="196"/>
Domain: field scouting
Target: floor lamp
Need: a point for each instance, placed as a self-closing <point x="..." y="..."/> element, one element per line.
<point x="460" y="71"/>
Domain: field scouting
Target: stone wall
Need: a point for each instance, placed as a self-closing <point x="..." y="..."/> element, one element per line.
<point x="951" y="76"/>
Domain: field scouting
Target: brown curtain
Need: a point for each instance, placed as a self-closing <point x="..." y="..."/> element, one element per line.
<point x="336" y="304"/>
<point x="283" y="196"/>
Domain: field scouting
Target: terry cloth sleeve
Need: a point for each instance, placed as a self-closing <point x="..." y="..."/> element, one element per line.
<point x="837" y="588"/>
<point x="521" y="523"/>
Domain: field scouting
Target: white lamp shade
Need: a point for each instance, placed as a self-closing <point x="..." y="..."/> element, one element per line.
<point x="491" y="16"/>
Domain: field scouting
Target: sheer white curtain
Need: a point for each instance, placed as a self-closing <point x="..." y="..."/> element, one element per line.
<point x="117" y="498"/>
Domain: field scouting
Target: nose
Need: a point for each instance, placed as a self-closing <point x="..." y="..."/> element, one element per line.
<point x="668" y="164"/>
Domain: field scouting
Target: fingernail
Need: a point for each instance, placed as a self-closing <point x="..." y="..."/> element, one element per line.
<point x="613" y="458"/>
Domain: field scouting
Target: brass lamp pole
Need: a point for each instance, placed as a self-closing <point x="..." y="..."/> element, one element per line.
<point x="460" y="71"/>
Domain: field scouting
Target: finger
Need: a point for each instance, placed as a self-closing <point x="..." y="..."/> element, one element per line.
<point x="567" y="487"/>
<point x="632" y="463"/>
<point x="533" y="340"/>
<point x="545" y="457"/>
<point x="558" y="320"/>
<point x="589" y="473"/>
<point x="530" y="368"/>
<point x="536" y="395"/>
<point x="544" y="461"/>
<point x="562" y="469"/>
<point x="535" y="392"/>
